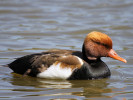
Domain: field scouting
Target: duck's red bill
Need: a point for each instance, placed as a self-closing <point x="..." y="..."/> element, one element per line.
<point x="114" y="55"/>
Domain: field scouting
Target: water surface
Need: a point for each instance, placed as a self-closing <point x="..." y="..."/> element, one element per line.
<point x="32" y="26"/>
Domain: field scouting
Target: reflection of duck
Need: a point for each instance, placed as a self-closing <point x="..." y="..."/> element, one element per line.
<point x="86" y="88"/>
<point x="68" y="64"/>
<point x="92" y="88"/>
<point x="39" y="83"/>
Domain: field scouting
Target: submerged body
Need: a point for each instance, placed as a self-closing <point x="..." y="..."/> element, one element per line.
<point x="68" y="64"/>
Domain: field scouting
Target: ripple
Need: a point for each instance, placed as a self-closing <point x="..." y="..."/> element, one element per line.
<point x="34" y="26"/>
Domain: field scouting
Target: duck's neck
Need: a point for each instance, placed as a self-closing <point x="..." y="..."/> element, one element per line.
<point x="85" y="57"/>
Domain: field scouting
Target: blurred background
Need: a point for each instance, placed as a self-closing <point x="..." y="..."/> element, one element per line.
<point x="31" y="26"/>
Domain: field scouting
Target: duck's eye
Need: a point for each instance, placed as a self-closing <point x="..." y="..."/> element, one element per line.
<point x="103" y="44"/>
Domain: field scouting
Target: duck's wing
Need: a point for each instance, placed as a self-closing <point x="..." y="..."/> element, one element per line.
<point x="32" y="64"/>
<point x="37" y="63"/>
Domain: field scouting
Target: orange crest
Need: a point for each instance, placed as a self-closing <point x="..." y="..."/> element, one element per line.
<point x="100" y="38"/>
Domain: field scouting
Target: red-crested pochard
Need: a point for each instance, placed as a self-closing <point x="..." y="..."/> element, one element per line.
<point x="68" y="64"/>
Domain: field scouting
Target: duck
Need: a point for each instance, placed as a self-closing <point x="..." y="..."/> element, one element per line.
<point x="70" y="64"/>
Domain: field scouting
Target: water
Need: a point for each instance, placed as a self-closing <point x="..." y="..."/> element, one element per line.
<point x="32" y="26"/>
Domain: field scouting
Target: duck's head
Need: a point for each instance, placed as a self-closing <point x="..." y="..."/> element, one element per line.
<point x="97" y="44"/>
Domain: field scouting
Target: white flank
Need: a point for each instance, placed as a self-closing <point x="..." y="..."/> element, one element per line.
<point x="56" y="72"/>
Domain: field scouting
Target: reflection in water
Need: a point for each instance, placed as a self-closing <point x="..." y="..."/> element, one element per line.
<point x="73" y="89"/>
<point x="84" y="88"/>
<point x="38" y="82"/>
<point x="43" y="87"/>
<point x="92" y="88"/>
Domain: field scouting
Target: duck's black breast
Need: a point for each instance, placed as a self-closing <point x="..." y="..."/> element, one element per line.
<point x="36" y="63"/>
<point x="92" y="70"/>
<point x="99" y="69"/>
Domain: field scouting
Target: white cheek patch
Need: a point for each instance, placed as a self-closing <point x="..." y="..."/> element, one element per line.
<point x="56" y="72"/>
